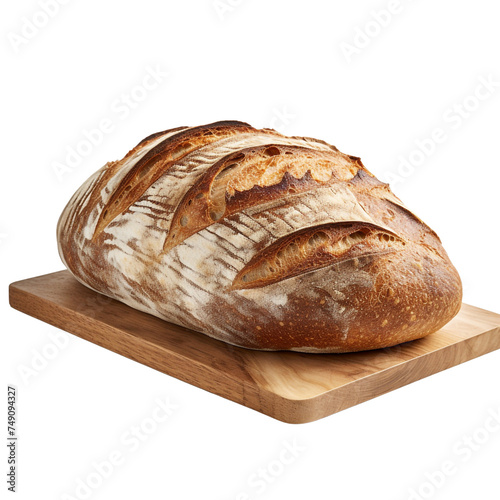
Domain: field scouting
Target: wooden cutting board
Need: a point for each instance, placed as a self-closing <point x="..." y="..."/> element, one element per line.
<point x="292" y="387"/>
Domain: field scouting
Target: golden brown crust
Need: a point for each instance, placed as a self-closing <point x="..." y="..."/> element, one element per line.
<point x="243" y="179"/>
<point x="260" y="240"/>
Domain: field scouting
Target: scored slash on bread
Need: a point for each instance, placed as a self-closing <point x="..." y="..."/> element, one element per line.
<point x="313" y="248"/>
<point x="240" y="180"/>
<point x="260" y="240"/>
<point x="152" y="165"/>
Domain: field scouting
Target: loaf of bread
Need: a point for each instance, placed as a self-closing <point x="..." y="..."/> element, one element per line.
<point x="259" y="240"/>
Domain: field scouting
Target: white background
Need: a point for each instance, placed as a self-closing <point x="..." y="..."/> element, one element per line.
<point x="270" y="63"/>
